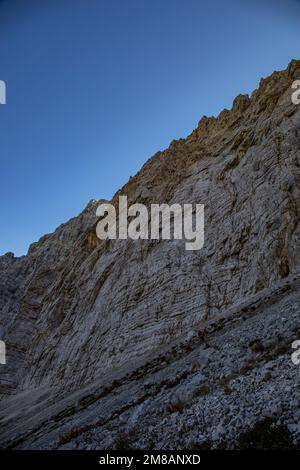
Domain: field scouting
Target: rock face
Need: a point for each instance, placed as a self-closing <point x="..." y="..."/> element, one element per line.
<point x="182" y="348"/>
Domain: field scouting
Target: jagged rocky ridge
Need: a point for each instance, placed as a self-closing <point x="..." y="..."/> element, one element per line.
<point x="170" y="348"/>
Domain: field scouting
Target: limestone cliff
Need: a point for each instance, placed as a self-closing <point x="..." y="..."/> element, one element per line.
<point x="100" y="334"/>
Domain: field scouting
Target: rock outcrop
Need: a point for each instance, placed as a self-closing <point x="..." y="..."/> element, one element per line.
<point x="173" y="348"/>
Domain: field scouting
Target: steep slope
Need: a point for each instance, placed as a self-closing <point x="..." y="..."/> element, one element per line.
<point x="76" y="311"/>
<point x="200" y="392"/>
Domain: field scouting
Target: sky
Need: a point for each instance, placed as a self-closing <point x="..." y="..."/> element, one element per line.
<point x="96" y="87"/>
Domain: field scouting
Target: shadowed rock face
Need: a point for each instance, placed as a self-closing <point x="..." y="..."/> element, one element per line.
<point x="75" y="310"/>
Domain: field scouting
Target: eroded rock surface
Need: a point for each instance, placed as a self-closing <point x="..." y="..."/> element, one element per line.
<point x="164" y="323"/>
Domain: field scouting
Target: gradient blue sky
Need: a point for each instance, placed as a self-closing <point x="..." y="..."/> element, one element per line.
<point x="95" y="87"/>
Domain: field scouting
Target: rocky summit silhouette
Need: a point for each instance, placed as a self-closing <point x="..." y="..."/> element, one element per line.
<point x="124" y="344"/>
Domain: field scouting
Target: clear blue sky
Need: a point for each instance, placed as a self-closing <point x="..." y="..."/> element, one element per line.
<point x="95" y="87"/>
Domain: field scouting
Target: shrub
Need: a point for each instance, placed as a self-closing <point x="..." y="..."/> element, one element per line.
<point x="176" y="405"/>
<point x="266" y="435"/>
<point x="123" y="442"/>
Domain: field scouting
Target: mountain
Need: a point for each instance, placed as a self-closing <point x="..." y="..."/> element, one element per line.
<point x="123" y="343"/>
